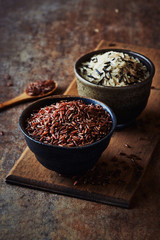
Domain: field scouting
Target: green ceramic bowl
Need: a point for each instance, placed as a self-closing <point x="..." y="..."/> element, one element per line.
<point x="127" y="102"/>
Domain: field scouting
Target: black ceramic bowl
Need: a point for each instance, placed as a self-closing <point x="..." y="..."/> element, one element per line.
<point x="127" y="102"/>
<point x="65" y="160"/>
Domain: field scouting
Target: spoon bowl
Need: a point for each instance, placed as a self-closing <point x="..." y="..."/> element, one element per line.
<point x="25" y="97"/>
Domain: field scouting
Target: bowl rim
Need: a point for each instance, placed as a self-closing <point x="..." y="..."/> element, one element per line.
<point x="130" y="52"/>
<point x="65" y="97"/>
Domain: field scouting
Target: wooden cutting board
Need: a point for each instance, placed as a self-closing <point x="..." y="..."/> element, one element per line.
<point x="121" y="167"/>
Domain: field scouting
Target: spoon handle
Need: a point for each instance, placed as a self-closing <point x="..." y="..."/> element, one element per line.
<point x="12" y="101"/>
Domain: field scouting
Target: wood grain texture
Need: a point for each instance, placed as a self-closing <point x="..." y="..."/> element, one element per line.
<point x="116" y="176"/>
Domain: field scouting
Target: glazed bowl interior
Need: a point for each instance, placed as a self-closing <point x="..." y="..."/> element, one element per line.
<point x="127" y="102"/>
<point x="65" y="160"/>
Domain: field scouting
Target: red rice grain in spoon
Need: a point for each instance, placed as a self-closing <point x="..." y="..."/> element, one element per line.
<point x="40" y="87"/>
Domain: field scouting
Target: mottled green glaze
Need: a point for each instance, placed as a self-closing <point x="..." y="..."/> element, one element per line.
<point x="126" y="102"/>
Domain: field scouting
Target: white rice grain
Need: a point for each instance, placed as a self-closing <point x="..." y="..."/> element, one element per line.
<point x="114" y="69"/>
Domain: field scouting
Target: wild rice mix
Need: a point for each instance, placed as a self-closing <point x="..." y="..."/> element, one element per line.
<point x="69" y="123"/>
<point x="114" y="69"/>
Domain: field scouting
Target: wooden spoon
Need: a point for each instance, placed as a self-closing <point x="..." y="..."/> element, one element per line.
<point x="24" y="97"/>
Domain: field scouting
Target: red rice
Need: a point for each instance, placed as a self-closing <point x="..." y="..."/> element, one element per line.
<point x="69" y="123"/>
<point x="40" y="87"/>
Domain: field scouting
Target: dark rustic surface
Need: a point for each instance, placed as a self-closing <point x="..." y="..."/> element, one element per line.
<point x="41" y="40"/>
<point x="119" y="171"/>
